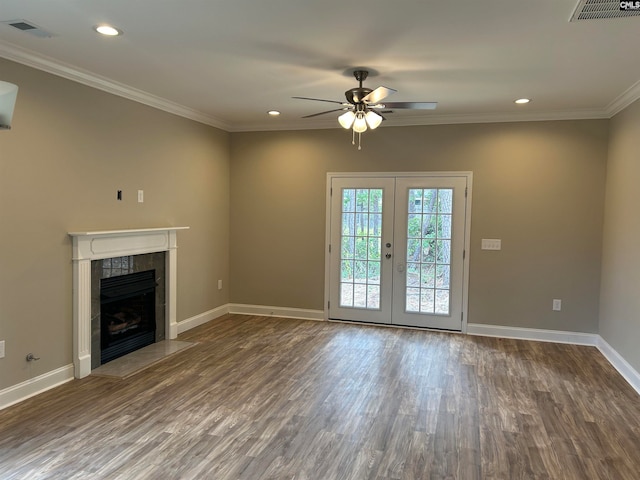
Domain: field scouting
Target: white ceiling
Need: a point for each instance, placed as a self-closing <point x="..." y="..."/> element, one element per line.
<point x="227" y="62"/>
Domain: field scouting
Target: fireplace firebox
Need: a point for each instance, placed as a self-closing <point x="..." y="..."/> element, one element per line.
<point x="127" y="314"/>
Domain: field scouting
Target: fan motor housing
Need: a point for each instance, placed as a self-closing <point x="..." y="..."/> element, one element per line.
<point x="355" y="95"/>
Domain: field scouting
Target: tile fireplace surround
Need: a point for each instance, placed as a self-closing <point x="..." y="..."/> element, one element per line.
<point x="97" y="245"/>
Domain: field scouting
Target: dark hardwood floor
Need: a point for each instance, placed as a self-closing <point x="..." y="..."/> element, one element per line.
<point x="269" y="398"/>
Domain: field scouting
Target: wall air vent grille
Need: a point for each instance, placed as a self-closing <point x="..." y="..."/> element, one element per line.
<point x="28" y="27"/>
<point x="599" y="10"/>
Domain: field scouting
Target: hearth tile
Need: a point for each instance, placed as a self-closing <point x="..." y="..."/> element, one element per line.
<point x="137" y="361"/>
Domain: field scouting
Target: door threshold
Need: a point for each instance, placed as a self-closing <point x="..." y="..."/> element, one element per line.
<point x="392" y="325"/>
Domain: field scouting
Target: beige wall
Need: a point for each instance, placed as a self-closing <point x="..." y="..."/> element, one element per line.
<point x="538" y="186"/>
<point x="256" y="201"/>
<point x="620" y="299"/>
<point x="71" y="148"/>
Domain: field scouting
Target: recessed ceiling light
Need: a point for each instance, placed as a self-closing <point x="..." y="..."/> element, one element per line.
<point x="107" y="30"/>
<point x="273" y="113"/>
<point x="522" y="100"/>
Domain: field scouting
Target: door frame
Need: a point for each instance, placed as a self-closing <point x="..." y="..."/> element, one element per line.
<point x="468" y="175"/>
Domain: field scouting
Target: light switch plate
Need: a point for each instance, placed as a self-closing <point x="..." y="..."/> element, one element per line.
<point x="1" y="348"/>
<point x="491" y="244"/>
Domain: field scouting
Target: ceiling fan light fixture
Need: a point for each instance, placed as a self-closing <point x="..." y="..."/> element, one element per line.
<point x="373" y="119"/>
<point x="360" y="123"/>
<point x="360" y="111"/>
<point x="346" y="119"/>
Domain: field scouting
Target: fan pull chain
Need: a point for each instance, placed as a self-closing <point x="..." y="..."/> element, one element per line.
<point x="353" y="138"/>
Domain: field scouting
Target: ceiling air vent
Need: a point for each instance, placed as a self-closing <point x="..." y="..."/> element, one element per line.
<point x="601" y="9"/>
<point x="28" y="27"/>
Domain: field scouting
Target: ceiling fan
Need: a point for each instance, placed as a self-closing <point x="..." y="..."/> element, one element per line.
<point x="363" y="109"/>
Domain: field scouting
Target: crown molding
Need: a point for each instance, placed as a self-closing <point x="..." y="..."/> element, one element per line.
<point x="55" y="67"/>
<point x="438" y="120"/>
<point x="624" y="100"/>
<point x="501" y="117"/>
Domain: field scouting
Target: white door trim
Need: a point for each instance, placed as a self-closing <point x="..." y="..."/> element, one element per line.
<point x="467" y="237"/>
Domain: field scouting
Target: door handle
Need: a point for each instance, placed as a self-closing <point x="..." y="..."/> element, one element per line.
<point x="388" y="255"/>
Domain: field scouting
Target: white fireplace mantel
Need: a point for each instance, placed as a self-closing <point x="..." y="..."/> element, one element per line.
<point x="97" y="245"/>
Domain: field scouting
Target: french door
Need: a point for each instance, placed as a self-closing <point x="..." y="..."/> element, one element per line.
<point x="397" y="249"/>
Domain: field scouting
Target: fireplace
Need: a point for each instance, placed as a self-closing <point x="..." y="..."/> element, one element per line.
<point x="90" y="246"/>
<point x="128" y="299"/>
<point x="127" y="314"/>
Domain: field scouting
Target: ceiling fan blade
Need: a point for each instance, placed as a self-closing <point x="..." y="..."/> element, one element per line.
<point x="378" y="94"/>
<point x="322" y="113"/>
<point x="319" y="100"/>
<point x="411" y="105"/>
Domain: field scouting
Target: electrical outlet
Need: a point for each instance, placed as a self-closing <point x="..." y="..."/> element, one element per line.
<point x="557" y="304"/>
<point x="1" y="348"/>
<point x="140" y="196"/>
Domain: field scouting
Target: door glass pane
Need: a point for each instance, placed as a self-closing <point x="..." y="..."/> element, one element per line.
<point x="374" y="273"/>
<point x="413" y="300"/>
<point x="426" y="301"/>
<point x="346" y="294"/>
<point x="373" y="296"/>
<point x="427" y="275"/>
<point x="445" y="200"/>
<point x="444" y="226"/>
<point x="361" y="248"/>
<point x="361" y="243"/>
<point x="428" y="250"/>
<point x="348" y="248"/>
<point x="413" y="274"/>
<point x="348" y="222"/>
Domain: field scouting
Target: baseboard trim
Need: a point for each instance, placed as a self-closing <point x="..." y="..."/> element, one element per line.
<point x="202" y="318"/>
<point x="34" y="386"/>
<point x="519" y="333"/>
<point x="555" y="336"/>
<point x="269" y="311"/>
<point x="29" y="388"/>
<point x="620" y="364"/>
